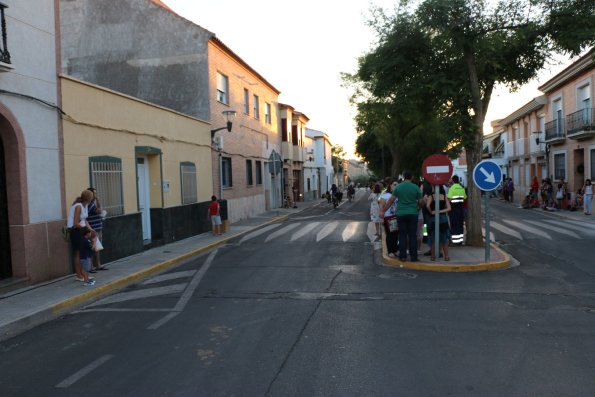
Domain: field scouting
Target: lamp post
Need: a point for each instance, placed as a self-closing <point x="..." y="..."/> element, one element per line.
<point x="229" y="114"/>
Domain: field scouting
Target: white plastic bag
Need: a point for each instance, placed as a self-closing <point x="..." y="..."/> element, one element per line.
<point x="98" y="245"/>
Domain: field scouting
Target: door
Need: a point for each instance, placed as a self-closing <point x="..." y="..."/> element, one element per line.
<point x="144" y="196"/>
<point x="5" y="261"/>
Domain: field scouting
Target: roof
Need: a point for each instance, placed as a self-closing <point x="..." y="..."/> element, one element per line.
<point x="583" y="64"/>
<point x="533" y="105"/>
<point x="161" y="4"/>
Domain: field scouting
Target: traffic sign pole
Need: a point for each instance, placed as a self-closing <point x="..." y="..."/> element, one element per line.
<point x="487" y="176"/>
<point x="487" y="216"/>
<point x="436" y="221"/>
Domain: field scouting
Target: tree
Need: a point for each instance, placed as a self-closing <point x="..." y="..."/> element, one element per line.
<point x="456" y="52"/>
<point x="337" y="159"/>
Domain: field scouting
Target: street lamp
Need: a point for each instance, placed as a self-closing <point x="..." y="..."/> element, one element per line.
<point x="229" y="114"/>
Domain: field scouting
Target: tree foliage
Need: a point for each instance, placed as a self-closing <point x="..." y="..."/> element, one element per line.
<point x="437" y="62"/>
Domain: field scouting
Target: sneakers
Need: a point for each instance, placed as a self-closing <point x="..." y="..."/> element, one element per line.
<point x="77" y="278"/>
<point x="90" y="282"/>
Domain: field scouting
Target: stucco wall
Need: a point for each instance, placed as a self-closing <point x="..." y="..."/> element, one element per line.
<point x="138" y="48"/>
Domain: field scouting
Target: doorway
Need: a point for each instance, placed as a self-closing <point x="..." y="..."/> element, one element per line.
<point x="144" y="195"/>
<point x="5" y="255"/>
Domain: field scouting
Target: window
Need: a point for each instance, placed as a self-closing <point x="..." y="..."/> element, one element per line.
<point x="560" y="166"/>
<point x="188" y="178"/>
<point x="267" y="113"/>
<point x="246" y="101"/>
<point x="226" y="172"/>
<point x="222" y="88"/>
<point x="294" y="134"/>
<point x="284" y="130"/>
<point x="256" y="107"/>
<point x="308" y="183"/>
<point x="259" y="172"/>
<point x="4" y="54"/>
<point x="249" y="179"/>
<point x="106" y="177"/>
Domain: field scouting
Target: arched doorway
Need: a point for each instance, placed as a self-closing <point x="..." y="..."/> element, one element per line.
<point x="5" y="254"/>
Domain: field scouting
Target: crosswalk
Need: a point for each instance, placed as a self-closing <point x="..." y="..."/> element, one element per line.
<point x="345" y="231"/>
<point x="545" y="229"/>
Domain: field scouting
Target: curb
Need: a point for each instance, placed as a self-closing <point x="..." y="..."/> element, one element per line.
<point x="53" y="311"/>
<point x="449" y="268"/>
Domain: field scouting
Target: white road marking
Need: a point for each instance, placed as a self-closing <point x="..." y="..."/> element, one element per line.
<point x="492" y="237"/>
<point x="558" y="230"/>
<point x="84" y="371"/>
<point x="326" y="230"/>
<point x="258" y="232"/>
<point x="506" y="230"/>
<point x="305" y="230"/>
<point x="141" y="294"/>
<point x="349" y="231"/>
<point x="169" y="276"/>
<point x="281" y="232"/>
<point x="580" y="228"/>
<point x="529" y="229"/>
<point x="187" y="293"/>
<point x="371" y="232"/>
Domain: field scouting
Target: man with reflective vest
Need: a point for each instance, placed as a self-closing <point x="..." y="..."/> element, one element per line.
<point x="457" y="196"/>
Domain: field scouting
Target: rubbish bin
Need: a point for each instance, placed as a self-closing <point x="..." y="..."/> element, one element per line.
<point x="223" y="213"/>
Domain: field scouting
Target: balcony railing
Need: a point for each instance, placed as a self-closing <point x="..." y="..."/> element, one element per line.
<point x="554" y="131"/>
<point x="581" y="124"/>
<point x="4" y="54"/>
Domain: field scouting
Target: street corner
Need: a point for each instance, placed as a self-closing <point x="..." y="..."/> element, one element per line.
<point x="468" y="259"/>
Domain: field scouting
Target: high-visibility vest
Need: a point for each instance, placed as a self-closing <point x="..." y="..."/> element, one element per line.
<point x="457" y="194"/>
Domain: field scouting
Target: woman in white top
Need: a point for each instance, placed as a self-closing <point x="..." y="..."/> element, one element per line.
<point x="391" y="232"/>
<point x="374" y="208"/>
<point x="77" y="219"/>
<point x="588" y="197"/>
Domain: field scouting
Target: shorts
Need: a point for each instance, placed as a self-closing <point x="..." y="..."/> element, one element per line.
<point x="86" y="264"/>
<point x="75" y="239"/>
<point x="215" y="220"/>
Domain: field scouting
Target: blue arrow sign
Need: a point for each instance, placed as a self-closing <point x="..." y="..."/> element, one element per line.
<point x="487" y="175"/>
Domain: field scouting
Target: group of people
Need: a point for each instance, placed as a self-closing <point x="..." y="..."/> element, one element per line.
<point x="85" y="226"/>
<point x="400" y="209"/>
<point x="555" y="197"/>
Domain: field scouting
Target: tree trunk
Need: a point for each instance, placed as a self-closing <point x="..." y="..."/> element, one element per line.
<point x="474" y="233"/>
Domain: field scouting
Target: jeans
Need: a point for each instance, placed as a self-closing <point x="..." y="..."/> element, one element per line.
<point x="407" y="231"/>
<point x="587" y="203"/>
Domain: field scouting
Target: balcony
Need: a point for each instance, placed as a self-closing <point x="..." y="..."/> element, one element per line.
<point x="287" y="151"/>
<point x="581" y="124"/>
<point x="4" y="54"/>
<point x="554" y="132"/>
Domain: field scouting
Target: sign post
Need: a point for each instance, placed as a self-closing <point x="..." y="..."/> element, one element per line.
<point x="487" y="175"/>
<point x="437" y="169"/>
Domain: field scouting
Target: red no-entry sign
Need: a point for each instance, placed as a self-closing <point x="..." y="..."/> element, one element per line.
<point x="437" y="169"/>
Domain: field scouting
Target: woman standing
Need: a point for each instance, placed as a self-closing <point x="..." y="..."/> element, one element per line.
<point x="77" y="219"/>
<point x="588" y="197"/>
<point x="375" y="208"/>
<point x="391" y="234"/>
<point x="443" y="208"/>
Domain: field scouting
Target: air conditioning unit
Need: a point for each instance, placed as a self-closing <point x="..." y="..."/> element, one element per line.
<point x="218" y="142"/>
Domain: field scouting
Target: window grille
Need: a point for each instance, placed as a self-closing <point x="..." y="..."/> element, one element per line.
<point x="189" y="185"/>
<point x="4" y="54"/>
<point x="106" y="177"/>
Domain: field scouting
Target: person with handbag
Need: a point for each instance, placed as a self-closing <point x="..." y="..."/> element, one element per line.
<point x="77" y="219"/>
<point x="444" y="230"/>
<point x="390" y="219"/>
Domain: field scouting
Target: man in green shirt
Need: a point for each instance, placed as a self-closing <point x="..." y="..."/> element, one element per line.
<point x="409" y="196"/>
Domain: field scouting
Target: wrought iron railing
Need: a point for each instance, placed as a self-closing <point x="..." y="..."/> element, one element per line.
<point x="4" y="54"/>
<point x="583" y="120"/>
<point x="554" y="129"/>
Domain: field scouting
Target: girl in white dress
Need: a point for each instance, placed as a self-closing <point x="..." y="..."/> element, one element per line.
<point x="375" y="208"/>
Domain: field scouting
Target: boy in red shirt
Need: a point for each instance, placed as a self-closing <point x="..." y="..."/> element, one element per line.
<point x="215" y="216"/>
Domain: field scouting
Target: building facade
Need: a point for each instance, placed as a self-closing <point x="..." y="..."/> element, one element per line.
<point x="292" y="125"/>
<point x="322" y="159"/>
<point x="32" y="209"/>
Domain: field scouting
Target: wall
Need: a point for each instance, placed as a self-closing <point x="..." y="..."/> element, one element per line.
<point x="138" y="48"/>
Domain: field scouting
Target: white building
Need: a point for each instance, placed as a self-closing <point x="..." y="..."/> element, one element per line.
<point x="322" y="159"/>
<point x="32" y="208"/>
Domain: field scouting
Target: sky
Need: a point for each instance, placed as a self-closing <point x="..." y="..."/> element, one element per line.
<point x="302" y="48"/>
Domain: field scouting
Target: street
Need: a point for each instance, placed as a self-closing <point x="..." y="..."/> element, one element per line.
<point x="304" y="308"/>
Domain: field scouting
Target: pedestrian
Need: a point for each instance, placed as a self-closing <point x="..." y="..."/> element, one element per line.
<point x="408" y="195"/>
<point x="214" y="214"/>
<point x="534" y="187"/>
<point x="561" y="194"/>
<point x="374" y="207"/>
<point x="95" y="219"/>
<point x="509" y="190"/>
<point x="389" y="217"/>
<point x="77" y="219"/>
<point x="588" y="197"/>
<point x="443" y="229"/>
<point x="456" y="196"/>
<point x="87" y="247"/>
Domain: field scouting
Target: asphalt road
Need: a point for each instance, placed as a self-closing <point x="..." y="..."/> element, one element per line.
<point x="303" y="308"/>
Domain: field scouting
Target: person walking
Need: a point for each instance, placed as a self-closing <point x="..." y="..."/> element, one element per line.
<point x="408" y="195"/>
<point x="588" y="197"/>
<point x="457" y="196"/>
<point x="214" y="214"/>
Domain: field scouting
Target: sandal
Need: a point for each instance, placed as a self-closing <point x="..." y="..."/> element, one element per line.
<point x="433" y="258"/>
<point x="447" y="258"/>
<point x="102" y="268"/>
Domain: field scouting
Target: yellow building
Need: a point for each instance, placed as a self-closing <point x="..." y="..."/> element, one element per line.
<point x="150" y="165"/>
